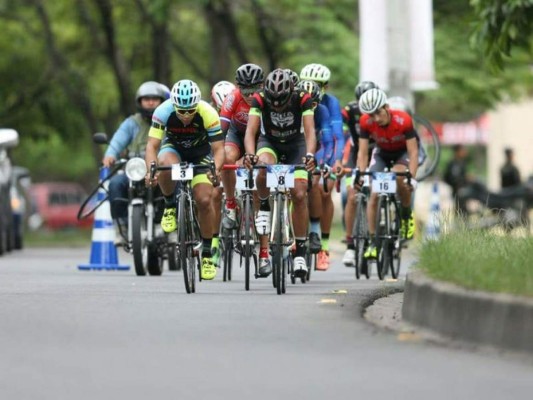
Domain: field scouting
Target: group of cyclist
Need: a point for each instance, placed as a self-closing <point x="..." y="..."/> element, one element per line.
<point x="283" y="118"/>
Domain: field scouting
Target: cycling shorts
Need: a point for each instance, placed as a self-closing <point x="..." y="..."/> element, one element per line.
<point x="291" y="153"/>
<point x="200" y="176"/>
<point x="381" y="159"/>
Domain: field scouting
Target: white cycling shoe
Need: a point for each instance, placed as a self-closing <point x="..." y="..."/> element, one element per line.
<point x="262" y="222"/>
<point x="300" y="267"/>
<point x="349" y="258"/>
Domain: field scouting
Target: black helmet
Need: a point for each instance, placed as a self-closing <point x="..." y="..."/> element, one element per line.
<point x="249" y="75"/>
<point x="278" y="87"/>
<point x="312" y="88"/>
<point x="294" y="76"/>
<point x="363" y="87"/>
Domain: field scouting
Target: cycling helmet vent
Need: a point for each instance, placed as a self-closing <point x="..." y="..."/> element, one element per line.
<point x="372" y="100"/>
<point x="278" y="87"/>
<point x="220" y="91"/>
<point x="312" y="88"/>
<point x="315" y="72"/>
<point x="249" y="75"/>
<point x="185" y="94"/>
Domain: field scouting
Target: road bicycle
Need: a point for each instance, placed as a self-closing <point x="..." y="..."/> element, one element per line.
<point x="388" y="239"/>
<point x="189" y="240"/>
<point x="360" y="234"/>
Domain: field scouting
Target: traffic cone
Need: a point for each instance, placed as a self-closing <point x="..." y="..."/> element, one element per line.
<point x="433" y="225"/>
<point x="103" y="251"/>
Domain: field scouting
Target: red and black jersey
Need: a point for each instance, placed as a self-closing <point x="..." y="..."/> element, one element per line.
<point x="392" y="137"/>
<point x="284" y="125"/>
<point x="234" y="112"/>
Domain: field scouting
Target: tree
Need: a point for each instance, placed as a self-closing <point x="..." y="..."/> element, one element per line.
<point x="501" y="26"/>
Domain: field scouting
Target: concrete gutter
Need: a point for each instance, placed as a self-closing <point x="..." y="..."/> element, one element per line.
<point x="491" y="319"/>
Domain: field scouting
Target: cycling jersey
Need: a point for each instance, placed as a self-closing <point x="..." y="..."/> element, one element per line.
<point x="234" y="113"/>
<point x="194" y="138"/>
<point x="350" y="116"/>
<point x="334" y="108"/>
<point x="325" y="140"/>
<point x="392" y="137"/>
<point x="285" y="125"/>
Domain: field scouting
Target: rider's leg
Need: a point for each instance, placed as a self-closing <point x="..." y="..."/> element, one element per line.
<point x="349" y="218"/>
<point x="166" y="157"/>
<point x="325" y="225"/>
<point x="202" y="193"/>
<point x="405" y="195"/>
<point x="300" y="216"/>
<point x="228" y="179"/>
<point x="118" y="189"/>
<point x="315" y="211"/>
<point x="262" y="223"/>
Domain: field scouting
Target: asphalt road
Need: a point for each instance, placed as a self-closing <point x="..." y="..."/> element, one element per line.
<point x="67" y="334"/>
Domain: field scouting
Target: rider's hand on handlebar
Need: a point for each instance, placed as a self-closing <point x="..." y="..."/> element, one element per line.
<point x="108" y="161"/>
<point x="338" y="170"/>
<point x="148" y="181"/>
<point x="249" y="160"/>
<point x="411" y="184"/>
<point x="309" y="161"/>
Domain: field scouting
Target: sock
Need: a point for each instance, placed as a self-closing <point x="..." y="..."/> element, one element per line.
<point x="314" y="225"/>
<point x="231" y="203"/>
<point x="214" y="242"/>
<point x="206" y="247"/>
<point x="405" y="212"/>
<point x="263" y="252"/>
<point x="349" y="243"/>
<point x="300" y="247"/>
<point x="325" y="241"/>
<point x="170" y="201"/>
<point x="264" y="204"/>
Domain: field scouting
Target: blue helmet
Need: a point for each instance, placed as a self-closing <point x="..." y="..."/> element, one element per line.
<point x="185" y="94"/>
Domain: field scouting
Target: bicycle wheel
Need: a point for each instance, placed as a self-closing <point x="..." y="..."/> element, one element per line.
<point x="277" y="250"/>
<point x="247" y="238"/>
<point x="396" y="242"/>
<point x="383" y="237"/>
<point x="138" y="240"/>
<point x="227" y="240"/>
<point x="186" y="260"/>
<point x="360" y="236"/>
<point x="430" y="145"/>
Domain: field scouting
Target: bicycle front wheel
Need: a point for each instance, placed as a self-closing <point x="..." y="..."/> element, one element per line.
<point x="186" y="258"/>
<point x="383" y="237"/>
<point x="138" y="242"/>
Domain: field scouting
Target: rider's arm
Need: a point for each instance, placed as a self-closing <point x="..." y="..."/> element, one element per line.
<point x="214" y="133"/>
<point x="252" y="127"/>
<point x="308" y="119"/>
<point x="157" y="132"/>
<point x="226" y="112"/>
<point x="122" y="138"/>
<point x="362" y="154"/>
<point x="334" y="109"/>
<point x="412" y="151"/>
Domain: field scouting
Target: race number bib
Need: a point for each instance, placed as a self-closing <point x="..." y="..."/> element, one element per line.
<point x="242" y="179"/>
<point x="180" y="173"/>
<point x="280" y="176"/>
<point x="384" y="182"/>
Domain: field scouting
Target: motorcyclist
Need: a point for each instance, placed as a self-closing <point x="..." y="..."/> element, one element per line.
<point x="131" y="135"/>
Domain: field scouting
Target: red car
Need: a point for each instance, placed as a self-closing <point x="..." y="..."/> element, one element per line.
<point x="57" y="204"/>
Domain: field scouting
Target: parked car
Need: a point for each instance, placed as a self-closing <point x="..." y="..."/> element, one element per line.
<point x="8" y="139"/>
<point x="57" y="204"/>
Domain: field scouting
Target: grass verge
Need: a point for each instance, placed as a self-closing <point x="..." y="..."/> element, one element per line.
<point x="58" y="238"/>
<point x="481" y="260"/>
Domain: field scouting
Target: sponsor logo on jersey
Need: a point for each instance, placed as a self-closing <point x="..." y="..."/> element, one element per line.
<point x="283" y="119"/>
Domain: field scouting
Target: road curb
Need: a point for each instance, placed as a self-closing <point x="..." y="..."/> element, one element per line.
<point x="498" y="320"/>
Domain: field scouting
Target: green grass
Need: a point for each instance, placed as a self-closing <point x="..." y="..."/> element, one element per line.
<point x="481" y="260"/>
<point x="58" y="238"/>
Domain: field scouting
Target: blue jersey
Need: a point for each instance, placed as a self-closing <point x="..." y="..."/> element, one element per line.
<point x="334" y="108"/>
<point x="124" y="135"/>
<point x="324" y="135"/>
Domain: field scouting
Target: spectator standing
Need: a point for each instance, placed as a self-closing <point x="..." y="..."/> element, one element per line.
<point x="455" y="175"/>
<point x="509" y="173"/>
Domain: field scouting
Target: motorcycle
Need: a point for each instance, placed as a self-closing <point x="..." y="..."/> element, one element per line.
<point x="508" y="208"/>
<point x="143" y="238"/>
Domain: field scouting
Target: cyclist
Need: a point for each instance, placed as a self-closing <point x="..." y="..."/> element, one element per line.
<point x="131" y="135"/>
<point x="186" y="128"/>
<point x="219" y="92"/>
<point x="319" y="209"/>
<point x="321" y="75"/>
<point x="351" y="115"/>
<point x="280" y="110"/>
<point x="396" y="147"/>
<point x="233" y="119"/>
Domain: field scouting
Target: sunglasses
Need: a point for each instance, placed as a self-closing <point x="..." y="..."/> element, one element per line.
<point x="185" y="111"/>
<point x="249" y="91"/>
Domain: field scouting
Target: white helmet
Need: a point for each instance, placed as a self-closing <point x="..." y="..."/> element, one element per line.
<point x="315" y="72"/>
<point x="399" y="103"/>
<point x="185" y="94"/>
<point x="220" y="91"/>
<point x="372" y="100"/>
